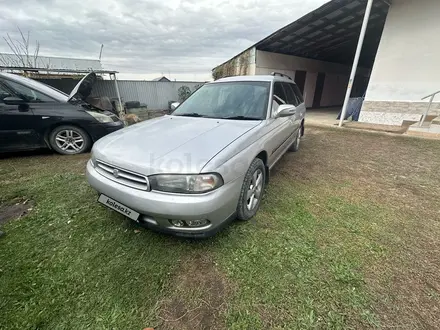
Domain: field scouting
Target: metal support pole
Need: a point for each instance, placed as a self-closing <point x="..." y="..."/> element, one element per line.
<point x="121" y="108"/>
<point x="356" y="60"/>
<point x="427" y="111"/>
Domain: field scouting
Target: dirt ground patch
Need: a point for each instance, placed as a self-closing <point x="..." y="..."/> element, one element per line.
<point x="199" y="298"/>
<point x="15" y="211"/>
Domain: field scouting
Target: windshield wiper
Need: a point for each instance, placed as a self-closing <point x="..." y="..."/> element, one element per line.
<point x="241" y="118"/>
<point x="190" y="114"/>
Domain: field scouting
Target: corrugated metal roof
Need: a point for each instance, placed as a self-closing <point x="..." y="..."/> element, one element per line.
<point x="330" y="33"/>
<point x="163" y="78"/>
<point x="48" y="62"/>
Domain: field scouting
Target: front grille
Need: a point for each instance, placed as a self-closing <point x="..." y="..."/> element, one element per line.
<point x="122" y="176"/>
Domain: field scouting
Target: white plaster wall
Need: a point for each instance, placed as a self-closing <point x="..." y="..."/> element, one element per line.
<point x="252" y="69"/>
<point x="260" y="71"/>
<point x="335" y="83"/>
<point x="277" y="61"/>
<point x="407" y="65"/>
<point x="252" y="65"/>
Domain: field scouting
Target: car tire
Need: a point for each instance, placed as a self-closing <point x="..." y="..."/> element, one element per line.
<point x="295" y="145"/>
<point x="69" y="140"/>
<point x="252" y="190"/>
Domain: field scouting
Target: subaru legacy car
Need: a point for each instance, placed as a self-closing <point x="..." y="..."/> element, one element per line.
<point x="191" y="172"/>
<point x="34" y="115"/>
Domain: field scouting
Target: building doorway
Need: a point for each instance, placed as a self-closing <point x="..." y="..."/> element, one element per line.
<point x="319" y="89"/>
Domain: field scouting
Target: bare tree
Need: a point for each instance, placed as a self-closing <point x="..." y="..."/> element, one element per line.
<point x="23" y="56"/>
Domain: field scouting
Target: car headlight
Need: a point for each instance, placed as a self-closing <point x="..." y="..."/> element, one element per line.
<point x="100" y="117"/>
<point x="186" y="184"/>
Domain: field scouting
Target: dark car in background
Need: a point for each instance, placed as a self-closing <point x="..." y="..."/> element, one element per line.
<point x="34" y="115"/>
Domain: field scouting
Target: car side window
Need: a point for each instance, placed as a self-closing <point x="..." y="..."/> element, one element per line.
<point x="291" y="98"/>
<point x="279" y="97"/>
<point x="298" y="93"/>
<point x="3" y="93"/>
<point x="28" y="94"/>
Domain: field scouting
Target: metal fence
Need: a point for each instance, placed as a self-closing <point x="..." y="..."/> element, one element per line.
<point x="154" y="94"/>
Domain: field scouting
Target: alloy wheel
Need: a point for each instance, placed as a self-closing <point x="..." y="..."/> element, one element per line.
<point x="254" y="190"/>
<point x="70" y="141"/>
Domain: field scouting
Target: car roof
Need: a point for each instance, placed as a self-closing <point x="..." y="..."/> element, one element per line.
<point x="12" y="76"/>
<point x="268" y="78"/>
<point x="20" y="79"/>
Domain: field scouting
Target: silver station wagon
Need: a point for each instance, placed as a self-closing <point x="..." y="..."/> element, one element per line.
<point x="192" y="172"/>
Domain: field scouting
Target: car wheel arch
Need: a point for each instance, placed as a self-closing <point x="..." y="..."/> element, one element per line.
<point x="62" y="123"/>
<point x="264" y="157"/>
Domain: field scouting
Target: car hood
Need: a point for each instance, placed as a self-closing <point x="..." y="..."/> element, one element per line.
<point x="83" y="89"/>
<point x="170" y="144"/>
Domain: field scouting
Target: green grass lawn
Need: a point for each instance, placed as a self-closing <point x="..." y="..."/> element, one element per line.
<point x="347" y="237"/>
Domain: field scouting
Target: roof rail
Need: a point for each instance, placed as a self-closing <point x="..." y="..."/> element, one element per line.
<point x="281" y="74"/>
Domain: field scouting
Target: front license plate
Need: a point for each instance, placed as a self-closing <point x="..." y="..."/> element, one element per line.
<point x="118" y="207"/>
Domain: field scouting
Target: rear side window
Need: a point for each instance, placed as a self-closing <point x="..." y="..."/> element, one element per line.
<point x="28" y="94"/>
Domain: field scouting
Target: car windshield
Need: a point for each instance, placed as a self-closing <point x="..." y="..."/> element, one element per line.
<point x="40" y="87"/>
<point x="245" y="100"/>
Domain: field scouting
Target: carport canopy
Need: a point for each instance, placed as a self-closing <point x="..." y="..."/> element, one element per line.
<point x="331" y="33"/>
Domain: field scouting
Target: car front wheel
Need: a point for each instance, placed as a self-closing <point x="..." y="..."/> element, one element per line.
<point x="69" y="140"/>
<point x="252" y="190"/>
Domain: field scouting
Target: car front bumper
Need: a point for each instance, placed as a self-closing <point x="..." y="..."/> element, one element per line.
<point x="99" y="130"/>
<point x="158" y="208"/>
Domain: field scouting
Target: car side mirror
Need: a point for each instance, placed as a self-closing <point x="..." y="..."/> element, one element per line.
<point x="174" y="105"/>
<point x="286" y="110"/>
<point x="13" y="100"/>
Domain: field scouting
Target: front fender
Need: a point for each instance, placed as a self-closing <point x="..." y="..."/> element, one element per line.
<point x="237" y="165"/>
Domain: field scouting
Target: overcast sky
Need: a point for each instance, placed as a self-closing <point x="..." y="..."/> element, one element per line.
<point x="145" y="38"/>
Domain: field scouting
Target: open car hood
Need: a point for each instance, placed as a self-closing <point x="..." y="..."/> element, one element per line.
<point x="83" y="89"/>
